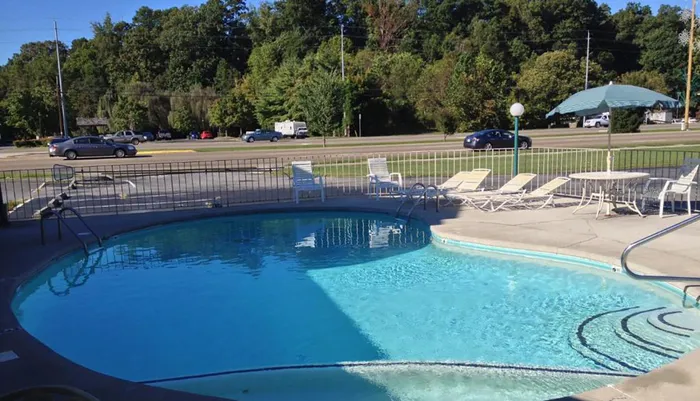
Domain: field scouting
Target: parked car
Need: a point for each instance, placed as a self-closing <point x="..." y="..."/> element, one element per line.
<point x="89" y="146"/>
<point x="601" y="120"/>
<point x="302" y="133"/>
<point x="148" y="136"/>
<point x="57" y="140"/>
<point x="496" y="139"/>
<point x="262" y="135"/>
<point x="126" y="137"/>
<point x="206" y="135"/>
<point x="193" y="135"/>
<point x="163" y="134"/>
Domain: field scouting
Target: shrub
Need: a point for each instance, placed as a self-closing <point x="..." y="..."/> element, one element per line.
<point x="626" y="120"/>
<point x="31" y="143"/>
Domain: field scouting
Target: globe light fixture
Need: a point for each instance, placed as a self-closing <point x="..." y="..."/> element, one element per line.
<point x="516" y="110"/>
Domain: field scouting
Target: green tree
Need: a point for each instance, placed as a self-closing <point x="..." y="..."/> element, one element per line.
<point x="280" y="99"/>
<point x="658" y="39"/>
<point x="431" y="96"/>
<point x="322" y="103"/>
<point x="548" y="80"/>
<point x="478" y="92"/>
<point x="646" y="79"/>
<point x="30" y="114"/>
<point x="233" y="110"/>
<point x="129" y="113"/>
<point x="182" y="120"/>
<point x="390" y="20"/>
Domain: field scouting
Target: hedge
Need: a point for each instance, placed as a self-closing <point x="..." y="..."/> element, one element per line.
<point x="32" y="143"/>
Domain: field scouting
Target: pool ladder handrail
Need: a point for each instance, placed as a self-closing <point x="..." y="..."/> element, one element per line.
<point x="60" y="220"/>
<point x="421" y="196"/>
<point x="634" y="245"/>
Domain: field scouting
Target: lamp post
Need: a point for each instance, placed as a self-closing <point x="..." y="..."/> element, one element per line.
<point x="516" y="110"/>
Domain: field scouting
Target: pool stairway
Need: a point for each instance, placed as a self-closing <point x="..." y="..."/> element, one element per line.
<point x="636" y="339"/>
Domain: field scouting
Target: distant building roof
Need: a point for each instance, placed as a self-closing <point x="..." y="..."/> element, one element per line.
<point x="92" y="122"/>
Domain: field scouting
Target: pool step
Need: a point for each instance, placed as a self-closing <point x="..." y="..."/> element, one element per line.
<point x="675" y="321"/>
<point x="636" y="339"/>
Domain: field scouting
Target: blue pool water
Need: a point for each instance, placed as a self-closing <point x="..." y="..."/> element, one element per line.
<point x="247" y="292"/>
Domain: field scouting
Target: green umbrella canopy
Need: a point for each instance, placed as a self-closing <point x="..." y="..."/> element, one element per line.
<point x="604" y="98"/>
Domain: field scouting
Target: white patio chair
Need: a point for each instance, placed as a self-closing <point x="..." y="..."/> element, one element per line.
<point x="545" y="193"/>
<point x="303" y="179"/>
<point x="682" y="186"/>
<point x="479" y="199"/>
<point x="381" y="179"/>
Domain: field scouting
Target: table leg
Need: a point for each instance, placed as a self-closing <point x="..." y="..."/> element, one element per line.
<point x="583" y="198"/>
<point x="601" y="200"/>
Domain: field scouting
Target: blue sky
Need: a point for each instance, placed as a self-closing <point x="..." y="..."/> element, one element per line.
<point x="24" y="21"/>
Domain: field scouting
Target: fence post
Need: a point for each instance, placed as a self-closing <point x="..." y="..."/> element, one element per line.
<point x="4" y="219"/>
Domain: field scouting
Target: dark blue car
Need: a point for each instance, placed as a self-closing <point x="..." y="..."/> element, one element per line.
<point x="496" y="139"/>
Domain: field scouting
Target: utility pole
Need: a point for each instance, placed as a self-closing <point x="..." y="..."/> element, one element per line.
<point x="60" y="85"/>
<point x="58" y="103"/>
<point x="691" y="44"/>
<point x="342" y="72"/>
<point x="588" y="52"/>
<point x="342" y="53"/>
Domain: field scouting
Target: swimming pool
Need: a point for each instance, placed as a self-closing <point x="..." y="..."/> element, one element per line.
<point x="356" y="305"/>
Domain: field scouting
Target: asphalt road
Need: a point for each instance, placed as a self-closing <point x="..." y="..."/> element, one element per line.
<point x="231" y="149"/>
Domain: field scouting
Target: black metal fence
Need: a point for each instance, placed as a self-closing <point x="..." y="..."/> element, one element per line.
<point x="129" y="188"/>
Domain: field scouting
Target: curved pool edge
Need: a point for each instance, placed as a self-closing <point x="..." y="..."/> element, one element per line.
<point x="48" y="367"/>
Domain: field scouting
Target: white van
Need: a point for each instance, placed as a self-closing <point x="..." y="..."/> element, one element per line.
<point x="291" y="129"/>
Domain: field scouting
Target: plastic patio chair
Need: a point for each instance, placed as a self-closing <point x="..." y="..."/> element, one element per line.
<point x="682" y="186"/>
<point x="380" y="178"/>
<point x="544" y="193"/>
<point x="479" y="199"/>
<point x="303" y="179"/>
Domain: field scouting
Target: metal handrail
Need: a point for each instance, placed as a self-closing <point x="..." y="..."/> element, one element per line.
<point x="425" y="200"/>
<point x="75" y="212"/>
<point x="409" y="197"/>
<point x="658" y="234"/>
<point x="50" y="212"/>
<point x="60" y="220"/>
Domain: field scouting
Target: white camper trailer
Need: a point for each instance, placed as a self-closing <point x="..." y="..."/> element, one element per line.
<point x="291" y="129"/>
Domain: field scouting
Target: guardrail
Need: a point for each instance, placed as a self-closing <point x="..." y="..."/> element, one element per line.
<point x="129" y="188"/>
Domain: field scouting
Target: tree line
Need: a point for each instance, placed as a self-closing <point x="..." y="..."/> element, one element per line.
<point x="409" y="65"/>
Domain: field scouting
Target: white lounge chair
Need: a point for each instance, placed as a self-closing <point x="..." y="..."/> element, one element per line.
<point x="381" y="179"/>
<point x="464" y="181"/>
<point x="682" y="186"/>
<point x="479" y="199"/>
<point x="303" y="179"/>
<point x="472" y="180"/>
<point x="545" y="193"/>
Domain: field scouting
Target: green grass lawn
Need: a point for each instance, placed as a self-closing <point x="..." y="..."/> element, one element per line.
<point x="24" y="175"/>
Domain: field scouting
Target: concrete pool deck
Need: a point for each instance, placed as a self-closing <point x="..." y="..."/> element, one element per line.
<point x="550" y="230"/>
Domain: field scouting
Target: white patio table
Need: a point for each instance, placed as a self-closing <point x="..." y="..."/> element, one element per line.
<point x="609" y="187"/>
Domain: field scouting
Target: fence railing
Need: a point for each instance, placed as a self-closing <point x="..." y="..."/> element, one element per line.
<point x="129" y="188"/>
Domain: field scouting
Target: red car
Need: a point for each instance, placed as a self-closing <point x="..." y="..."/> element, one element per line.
<point x="206" y="135"/>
